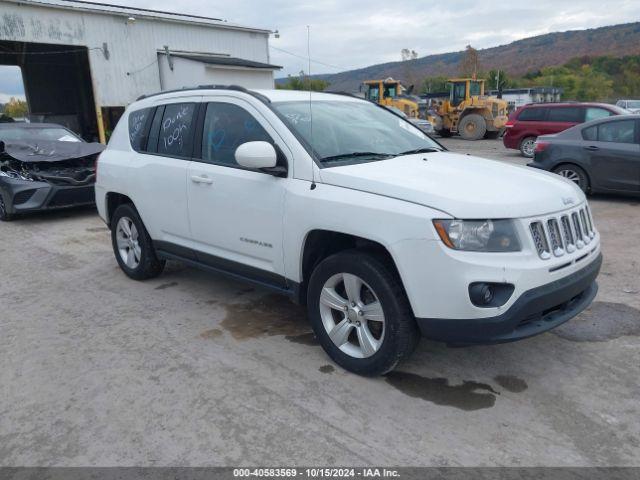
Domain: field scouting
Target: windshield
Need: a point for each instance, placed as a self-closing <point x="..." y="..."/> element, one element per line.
<point x="373" y="93"/>
<point x="31" y="134"/>
<point x="475" y="89"/>
<point x="353" y="132"/>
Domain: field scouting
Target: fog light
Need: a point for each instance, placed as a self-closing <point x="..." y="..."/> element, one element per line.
<point x="488" y="294"/>
<point x="481" y="294"/>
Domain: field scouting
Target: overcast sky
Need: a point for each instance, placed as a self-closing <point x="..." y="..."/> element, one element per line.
<point x="348" y="34"/>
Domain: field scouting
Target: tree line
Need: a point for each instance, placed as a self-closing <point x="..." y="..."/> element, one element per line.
<point x="602" y="78"/>
<point x="14" y="108"/>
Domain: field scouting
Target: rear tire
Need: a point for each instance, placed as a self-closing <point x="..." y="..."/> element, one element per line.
<point x="472" y="127"/>
<point x="133" y="246"/>
<point x="360" y="313"/>
<point x="527" y="147"/>
<point x="574" y="173"/>
<point x="4" y="215"/>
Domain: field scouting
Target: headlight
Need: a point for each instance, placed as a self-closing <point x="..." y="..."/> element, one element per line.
<point x="478" y="235"/>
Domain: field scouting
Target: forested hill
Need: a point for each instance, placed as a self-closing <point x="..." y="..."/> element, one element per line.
<point x="516" y="58"/>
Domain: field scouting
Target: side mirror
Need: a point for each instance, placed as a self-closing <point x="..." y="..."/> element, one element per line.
<point x="256" y="155"/>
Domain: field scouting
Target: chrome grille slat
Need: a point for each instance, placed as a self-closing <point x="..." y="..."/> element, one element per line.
<point x="592" y="230"/>
<point x="540" y="240"/>
<point x="557" y="247"/>
<point x="564" y="233"/>
<point x="569" y="239"/>
<point x="585" y="228"/>
<point x="576" y="230"/>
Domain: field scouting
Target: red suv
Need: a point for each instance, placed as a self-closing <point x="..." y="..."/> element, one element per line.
<point x="533" y="120"/>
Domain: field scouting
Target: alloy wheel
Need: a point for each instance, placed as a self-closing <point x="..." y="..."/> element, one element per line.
<point x="570" y="175"/>
<point x="352" y="315"/>
<point x="528" y="147"/>
<point x="128" y="244"/>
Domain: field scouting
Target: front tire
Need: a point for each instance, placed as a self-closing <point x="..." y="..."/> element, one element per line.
<point x="574" y="173"/>
<point x="472" y="127"/>
<point x="528" y="147"/>
<point x="4" y="215"/>
<point x="133" y="246"/>
<point x="360" y="313"/>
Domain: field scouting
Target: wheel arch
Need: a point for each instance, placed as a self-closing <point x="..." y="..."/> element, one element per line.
<point x="572" y="163"/>
<point x="319" y="244"/>
<point x="526" y="135"/>
<point x="113" y="201"/>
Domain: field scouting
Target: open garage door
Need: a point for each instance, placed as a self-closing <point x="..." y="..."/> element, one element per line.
<point x="57" y="82"/>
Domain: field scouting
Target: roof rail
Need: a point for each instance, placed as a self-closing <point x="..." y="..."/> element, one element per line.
<point x="236" y="88"/>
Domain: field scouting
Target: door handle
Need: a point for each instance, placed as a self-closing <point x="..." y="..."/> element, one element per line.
<point x="201" y="179"/>
<point x="591" y="148"/>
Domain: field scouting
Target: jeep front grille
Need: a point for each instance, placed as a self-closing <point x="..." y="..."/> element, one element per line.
<point x="562" y="234"/>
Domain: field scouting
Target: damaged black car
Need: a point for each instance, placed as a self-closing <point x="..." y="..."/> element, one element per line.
<point x="44" y="166"/>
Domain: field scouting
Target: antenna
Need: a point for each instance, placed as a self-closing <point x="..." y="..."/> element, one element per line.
<point x="313" y="170"/>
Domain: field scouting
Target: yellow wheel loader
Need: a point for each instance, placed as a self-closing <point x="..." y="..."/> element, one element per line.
<point x="469" y="112"/>
<point x="391" y="93"/>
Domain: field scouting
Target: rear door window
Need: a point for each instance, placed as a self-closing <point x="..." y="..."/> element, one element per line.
<point x="175" y="137"/>
<point x="226" y="127"/>
<point x="565" y="114"/>
<point x="536" y="114"/>
<point x="594" y="113"/>
<point x="622" y="131"/>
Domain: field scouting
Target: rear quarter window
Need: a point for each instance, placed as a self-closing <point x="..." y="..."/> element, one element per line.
<point x="138" y="127"/>
<point x="593" y="113"/>
<point x="590" y="133"/>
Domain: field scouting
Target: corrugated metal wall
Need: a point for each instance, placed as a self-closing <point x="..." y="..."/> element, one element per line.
<point x="131" y="69"/>
<point x="185" y="71"/>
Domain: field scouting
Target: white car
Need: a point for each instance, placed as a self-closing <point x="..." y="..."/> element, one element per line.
<point x="351" y="210"/>
<point x="421" y="123"/>
<point x="632" y="105"/>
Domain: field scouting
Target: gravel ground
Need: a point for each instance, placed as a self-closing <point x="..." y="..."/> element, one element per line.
<point x="193" y="369"/>
<point x="493" y="149"/>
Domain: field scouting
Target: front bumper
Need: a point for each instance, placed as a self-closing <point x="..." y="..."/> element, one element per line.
<point x="25" y="196"/>
<point x="536" y="311"/>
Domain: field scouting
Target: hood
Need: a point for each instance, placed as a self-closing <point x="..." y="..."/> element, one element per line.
<point x="462" y="186"/>
<point x="49" y="150"/>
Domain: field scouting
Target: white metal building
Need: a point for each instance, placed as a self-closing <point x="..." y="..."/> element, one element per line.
<point x="517" y="97"/>
<point x="83" y="62"/>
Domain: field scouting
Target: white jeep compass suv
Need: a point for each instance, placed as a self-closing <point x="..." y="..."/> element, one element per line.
<point x="353" y="211"/>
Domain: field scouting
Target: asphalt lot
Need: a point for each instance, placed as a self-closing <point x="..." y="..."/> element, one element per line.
<point x="196" y="369"/>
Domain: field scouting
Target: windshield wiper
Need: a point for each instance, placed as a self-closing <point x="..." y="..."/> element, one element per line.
<point x="356" y="154"/>
<point x="420" y="150"/>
